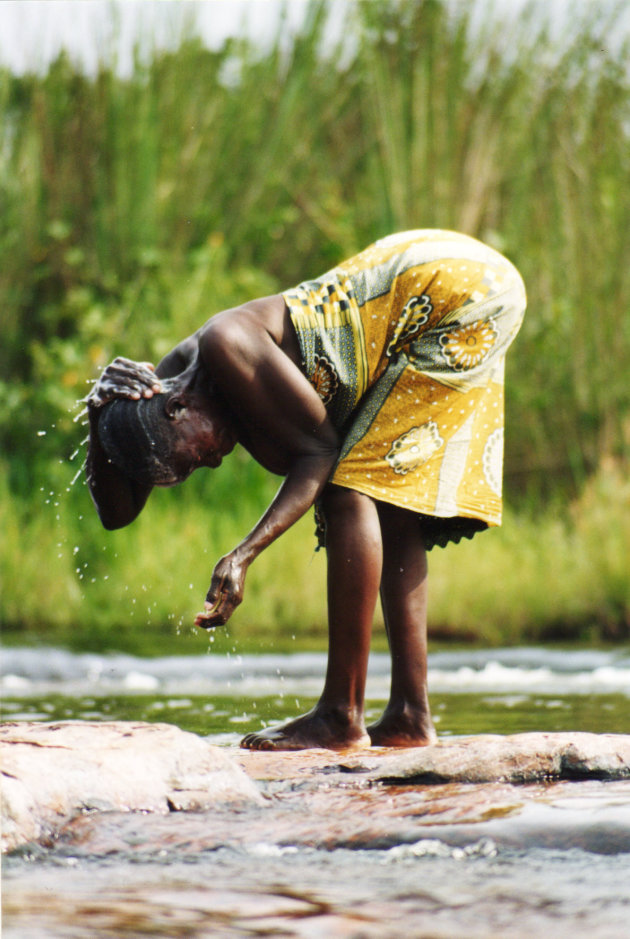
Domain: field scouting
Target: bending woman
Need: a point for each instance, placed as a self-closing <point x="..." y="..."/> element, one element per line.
<point x="376" y="391"/>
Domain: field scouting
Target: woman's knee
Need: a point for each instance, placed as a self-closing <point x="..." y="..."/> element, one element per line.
<point x="401" y="530"/>
<point x="337" y="502"/>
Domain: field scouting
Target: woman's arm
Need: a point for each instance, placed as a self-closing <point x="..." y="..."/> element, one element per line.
<point x="266" y="391"/>
<point x="301" y="487"/>
<point x="179" y="359"/>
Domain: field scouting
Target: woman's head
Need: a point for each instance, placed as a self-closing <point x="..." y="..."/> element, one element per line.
<point x="160" y="440"/>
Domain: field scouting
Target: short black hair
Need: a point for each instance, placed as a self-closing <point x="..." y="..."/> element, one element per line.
<point x="138" y="437"/>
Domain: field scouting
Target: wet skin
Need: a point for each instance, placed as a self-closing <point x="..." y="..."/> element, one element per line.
<point x="239" y="379"/>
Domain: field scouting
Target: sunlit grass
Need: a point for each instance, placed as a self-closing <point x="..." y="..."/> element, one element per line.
<point x="555" y="575"/>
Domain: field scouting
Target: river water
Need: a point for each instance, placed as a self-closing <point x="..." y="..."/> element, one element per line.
<point x="447" y="861"/>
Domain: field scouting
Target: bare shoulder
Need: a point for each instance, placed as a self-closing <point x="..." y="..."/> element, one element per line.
<point x="246" y="359"/>
<point x="248" y="327"/>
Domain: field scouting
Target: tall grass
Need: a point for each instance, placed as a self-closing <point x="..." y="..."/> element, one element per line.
<point x="132" y="208"/>
<point x="121" y="196"/>
<point x="558" y="575"/>
<point x="521" y="140"/>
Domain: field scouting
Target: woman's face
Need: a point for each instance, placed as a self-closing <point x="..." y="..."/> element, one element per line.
<point x="203" y="437"/>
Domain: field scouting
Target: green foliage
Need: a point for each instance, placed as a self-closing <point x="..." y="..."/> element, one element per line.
<point x="558" y="574"/>
<point x="133" y="208"/>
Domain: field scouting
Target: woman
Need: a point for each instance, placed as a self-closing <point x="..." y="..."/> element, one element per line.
<point x="377" y="392"/>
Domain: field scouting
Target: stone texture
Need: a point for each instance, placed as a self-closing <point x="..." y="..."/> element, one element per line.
<point x="52" y="772"/>
<point x="330" y="853"/>
<point x="59" y="779"/>
<point x="520" y="758"/>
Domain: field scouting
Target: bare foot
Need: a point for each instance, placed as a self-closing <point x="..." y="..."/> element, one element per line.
<point x="404" y="727"/>
<point x="332" y="729"/>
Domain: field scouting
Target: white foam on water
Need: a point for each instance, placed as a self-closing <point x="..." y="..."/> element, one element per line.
<point x="433" y="847"/>
<point x="140" y="681"/>
<point x="265" y="849"/>
<point x="510" y="671"/>
<point x="498" y="678"/>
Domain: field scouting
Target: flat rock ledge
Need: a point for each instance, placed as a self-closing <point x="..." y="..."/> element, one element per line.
<point x="52" y="772"/>
<point x="520" y="758"/>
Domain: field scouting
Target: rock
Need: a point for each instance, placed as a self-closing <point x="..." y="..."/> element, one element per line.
<point x="53" y="775"/>
<point x="51" y="772"/>
<point x="520" y="758"/>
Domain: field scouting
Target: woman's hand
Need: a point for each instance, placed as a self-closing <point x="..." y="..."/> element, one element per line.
<point x="225" y="593"/>
<point x="124" y="378"/>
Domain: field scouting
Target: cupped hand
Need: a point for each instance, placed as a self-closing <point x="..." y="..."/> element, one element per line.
<point x="124" y="378"/>
<point x="225" y="593"/>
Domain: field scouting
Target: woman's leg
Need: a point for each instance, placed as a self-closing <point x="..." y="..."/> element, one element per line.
<point x="354" y="561"/>
<point x="407" y="718"/>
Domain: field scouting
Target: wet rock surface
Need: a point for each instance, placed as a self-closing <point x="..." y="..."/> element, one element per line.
<point x="520" y="758"/>
<point x="318" y="843"/>
<point x="52" y="772"/>
<point x="56" y="776"/>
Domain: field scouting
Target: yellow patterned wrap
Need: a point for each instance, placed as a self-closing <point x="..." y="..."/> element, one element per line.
<point x="405" y="344"/>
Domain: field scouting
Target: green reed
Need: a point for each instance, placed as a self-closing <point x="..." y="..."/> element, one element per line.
<point x="135" y="207"/>
<point x="558" y="576"/>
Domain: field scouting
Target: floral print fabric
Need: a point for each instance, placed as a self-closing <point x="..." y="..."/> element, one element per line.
<point x="405" y="343"/>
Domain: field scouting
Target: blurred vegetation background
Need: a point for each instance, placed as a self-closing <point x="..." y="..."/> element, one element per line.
<point x="133" y="207"/>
